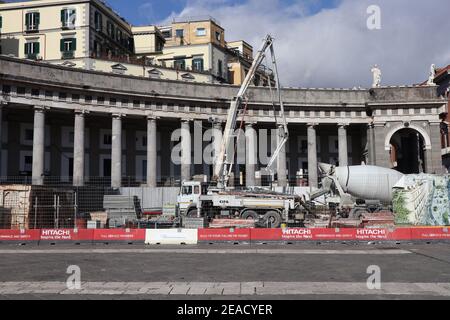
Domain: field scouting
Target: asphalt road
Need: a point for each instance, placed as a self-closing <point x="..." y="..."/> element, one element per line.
<point x="225" y="272"/>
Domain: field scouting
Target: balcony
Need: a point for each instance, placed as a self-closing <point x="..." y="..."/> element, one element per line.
<point x="32" y="56"/>
<point x="32" y="28"/>
<point x="68" y="55"/>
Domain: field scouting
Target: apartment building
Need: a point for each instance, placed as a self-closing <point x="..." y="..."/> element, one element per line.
<point x="63" y="31"/>
<point x="90" y="35"/>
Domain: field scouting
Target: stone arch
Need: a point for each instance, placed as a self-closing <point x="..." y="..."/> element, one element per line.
<point x="422" y="131"/>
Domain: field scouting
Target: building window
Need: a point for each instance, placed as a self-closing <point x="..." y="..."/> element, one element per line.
<point x="75" y="97"/>
<point x="1" y="22"/>
<point x="110" y="29"/>
<point x="32" y="21"/>
<point x="220" y="68"/>
<point x="32" y="50"/>
<point x="179" y="64"/>
<point x="218" y="36"/>
<point x="68" y="47"/>
<point x="107" y="139"/>
<point x="98" y="21"/>
<point x="179" y="33"/>
<point x="167" y="34"/>
<point x="68" y="18"/>
<point x="29" y="135"/>
<point x="201" y="32"/>
<point x="28" y="162"/>
<point x="197" y="64"/>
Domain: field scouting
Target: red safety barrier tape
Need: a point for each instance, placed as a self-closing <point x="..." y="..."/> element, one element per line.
<point x="19" y="235"/>
<point x="302" y="234"/>
<point x="66" y="235"/>
<point x="430" y="233"/>
<point x="124" y="235"/>
<point x="224" y="235"/>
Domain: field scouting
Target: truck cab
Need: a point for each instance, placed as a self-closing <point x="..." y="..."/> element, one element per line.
<point x="189" y="196"/>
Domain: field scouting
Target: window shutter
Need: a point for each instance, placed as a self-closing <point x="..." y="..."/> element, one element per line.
<point x="62" y="45"/>
<point x="27" y="19"/>
<point x="63" y="15"/>
<point x="26" y="48"/>
<point x="37" y="18"/>
<point x="1" y="22"/>
<point x="74" y="44"/>
<point x="37" y="48"/>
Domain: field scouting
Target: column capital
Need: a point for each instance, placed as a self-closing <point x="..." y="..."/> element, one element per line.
<point x="41" y="108"/>
<point x="312" y="124"/>
<point x="152" y="118"/>
<point x="343" y="125"/>
<point x="379" y="124"/>
<point x="184" y="120"/>
<point x="118" y="115"/>
<point x="81" y="112"/>
<point x="250" y="123"/>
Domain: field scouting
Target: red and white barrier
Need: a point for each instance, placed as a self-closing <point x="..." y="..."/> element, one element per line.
<point x="224" y="235"/>
<point x="171" y="236"/>
<point x="119" y="235"/>
<point x="244" y="236"/>
<point x="66" y="236"/>
<point x="20" y="236"/>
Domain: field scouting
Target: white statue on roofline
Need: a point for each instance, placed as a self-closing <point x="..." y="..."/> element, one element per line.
<point x="376" y="72"/>
<point x="432" y="75"/>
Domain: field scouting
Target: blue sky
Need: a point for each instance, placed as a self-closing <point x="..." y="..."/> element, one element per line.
<point x="323" y="43"/>
<point x="140" y="12"/>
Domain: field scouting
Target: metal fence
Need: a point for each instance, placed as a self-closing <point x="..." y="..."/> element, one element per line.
<point x="58" y="204"/>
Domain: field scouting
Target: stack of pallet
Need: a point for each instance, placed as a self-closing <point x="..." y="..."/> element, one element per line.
<point x="120" y="209"/>
<point x="378" y="219"/>
<point x="231" y="223"/>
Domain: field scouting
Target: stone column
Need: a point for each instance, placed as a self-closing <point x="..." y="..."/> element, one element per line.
<point x="251" y="155"/>
<point x="2" y="103"/>
<point x="382" y="157"/>
<point x="343" y="145"/>
<point x="433" y="155"/>
<point x="38" y="146"/>
<point x="152" y="151"/>
<point x="79" y="149"/>
<point x="370" y="145"/>
<point x="313" y="175"/>
<point x="116" y="152"/>
<point x="281" y="161"/>
<point x="218" y="135"/>
<point x="186" y="150"/>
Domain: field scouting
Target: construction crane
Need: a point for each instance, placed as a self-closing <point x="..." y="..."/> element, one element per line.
<point x="267" y="208"/>
<point x="225" y="160"/>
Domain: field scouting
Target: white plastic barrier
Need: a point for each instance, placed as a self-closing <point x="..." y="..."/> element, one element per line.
<point x="171" y="236"/>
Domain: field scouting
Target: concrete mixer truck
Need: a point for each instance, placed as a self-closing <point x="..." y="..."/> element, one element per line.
<point x="355" y="190"/>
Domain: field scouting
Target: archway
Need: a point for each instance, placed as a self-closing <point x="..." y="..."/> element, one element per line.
<point x="408" y="151"/>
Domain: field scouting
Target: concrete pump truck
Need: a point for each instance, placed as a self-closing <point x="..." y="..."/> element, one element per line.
<point x="217" y="199"/>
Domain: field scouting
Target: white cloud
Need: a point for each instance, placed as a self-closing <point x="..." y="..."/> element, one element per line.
<point x="334" y="48"/>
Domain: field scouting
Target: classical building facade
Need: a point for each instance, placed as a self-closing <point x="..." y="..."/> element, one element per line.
<point x="77" y="125"/>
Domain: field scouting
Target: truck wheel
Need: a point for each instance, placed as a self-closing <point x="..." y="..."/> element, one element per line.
<point x="274" y="219"/>
<point x="191" y="213"/>
<point x="250" y="215"/>
<point x="358" y="213"/>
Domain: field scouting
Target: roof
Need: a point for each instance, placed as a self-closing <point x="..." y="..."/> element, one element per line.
<point x="439" y="73"/>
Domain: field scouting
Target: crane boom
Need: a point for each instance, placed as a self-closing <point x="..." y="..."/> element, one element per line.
<point x="225" y="159"/>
